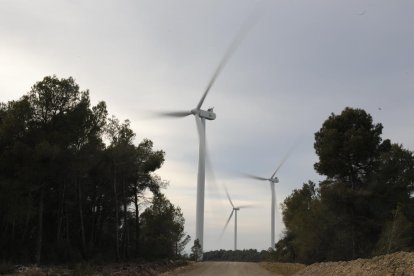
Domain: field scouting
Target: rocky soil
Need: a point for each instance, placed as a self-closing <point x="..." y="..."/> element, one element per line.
<point x="396" y="264"/>
<point x="144" y="269"/>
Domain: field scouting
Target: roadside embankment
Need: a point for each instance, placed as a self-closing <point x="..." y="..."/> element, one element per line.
<point x="396" y="264"/>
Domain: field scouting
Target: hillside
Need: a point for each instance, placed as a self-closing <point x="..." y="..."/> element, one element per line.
<point x="400" y="263"/>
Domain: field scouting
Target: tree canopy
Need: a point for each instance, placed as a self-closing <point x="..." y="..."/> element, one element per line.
<point x="72" y="181"/>
<point x="365" y="204"/>
<point x="163" y="229"/>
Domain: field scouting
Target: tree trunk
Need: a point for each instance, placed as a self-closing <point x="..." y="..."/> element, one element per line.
<point x="99" y="223"/>
<point x="116" y="217"/>
<point x="13" y="231"/>
<point x="353" y="234"/>
<point x="67" y="225"/>
<point x="81" y="218"/>
<point x="94" y="219"/>
<point x="125" y="230"/>
<point x="60" y="213"/>
<point x="137" y="249"/>
<point x="26" y="226"/>
<point x="392" y="231"/>
<point x="40" y="227"/>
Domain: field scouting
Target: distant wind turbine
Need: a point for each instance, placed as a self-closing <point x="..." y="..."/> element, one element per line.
<point x="234" y="210"/>
<point x="272" y="180"/>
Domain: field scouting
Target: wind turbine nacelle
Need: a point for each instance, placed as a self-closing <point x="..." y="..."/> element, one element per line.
<point x="209" y="115"/>
<point x="274" y="180"/>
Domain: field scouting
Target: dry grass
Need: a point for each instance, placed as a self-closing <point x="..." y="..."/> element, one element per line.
<point x="283" y="268"/>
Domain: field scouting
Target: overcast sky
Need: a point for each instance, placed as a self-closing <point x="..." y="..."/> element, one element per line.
<point x="300" y="62"/>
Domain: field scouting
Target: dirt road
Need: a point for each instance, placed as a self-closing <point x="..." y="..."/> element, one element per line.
<point x="221" y="268"/>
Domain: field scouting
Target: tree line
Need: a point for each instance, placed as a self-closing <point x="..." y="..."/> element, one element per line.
<point x="365" y="204"/>
<point x="246" y="255"/>
<point x="72" y="183"/>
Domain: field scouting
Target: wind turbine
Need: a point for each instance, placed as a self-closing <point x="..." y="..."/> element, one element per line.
<point x="234" y="210"/>
<point x="200" y="117"/>
<point x="272" y="180"/>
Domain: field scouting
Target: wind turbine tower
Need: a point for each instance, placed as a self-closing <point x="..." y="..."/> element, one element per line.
<point x="234" y="211"/>
<point x="235" y="227"/>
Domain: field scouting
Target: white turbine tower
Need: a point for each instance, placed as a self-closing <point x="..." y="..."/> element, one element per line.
<point x="272" y="180"/>
<point x="200" y="117"/>
<point x="234" y="210"/>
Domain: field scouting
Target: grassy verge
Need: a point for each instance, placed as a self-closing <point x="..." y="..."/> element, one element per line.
<point x="86" y="269"/>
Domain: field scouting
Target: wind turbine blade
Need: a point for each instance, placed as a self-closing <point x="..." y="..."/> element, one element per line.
<point x="245" y="206"/>
<point x="213" y="184"/>
<point x="248" y="24"/>
<point x="255" y="176"/>
<point x="209" y="167"/>
<point x="199" y="128"/>
<point x="228" y="196"/>
<point x="227" y="223"/>
<point x="289" y="152"/>
<point x="173" y="114"/>
<point x="277" y="207"/>
<point x="213" y="187"/>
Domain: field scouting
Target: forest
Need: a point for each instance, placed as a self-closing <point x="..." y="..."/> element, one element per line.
<point x="365" y="204"/>
<point x="73" y="183"/>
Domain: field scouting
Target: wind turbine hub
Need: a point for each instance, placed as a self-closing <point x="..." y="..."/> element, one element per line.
<point x="274" y="180"/>
<point x="206" y="114"/>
